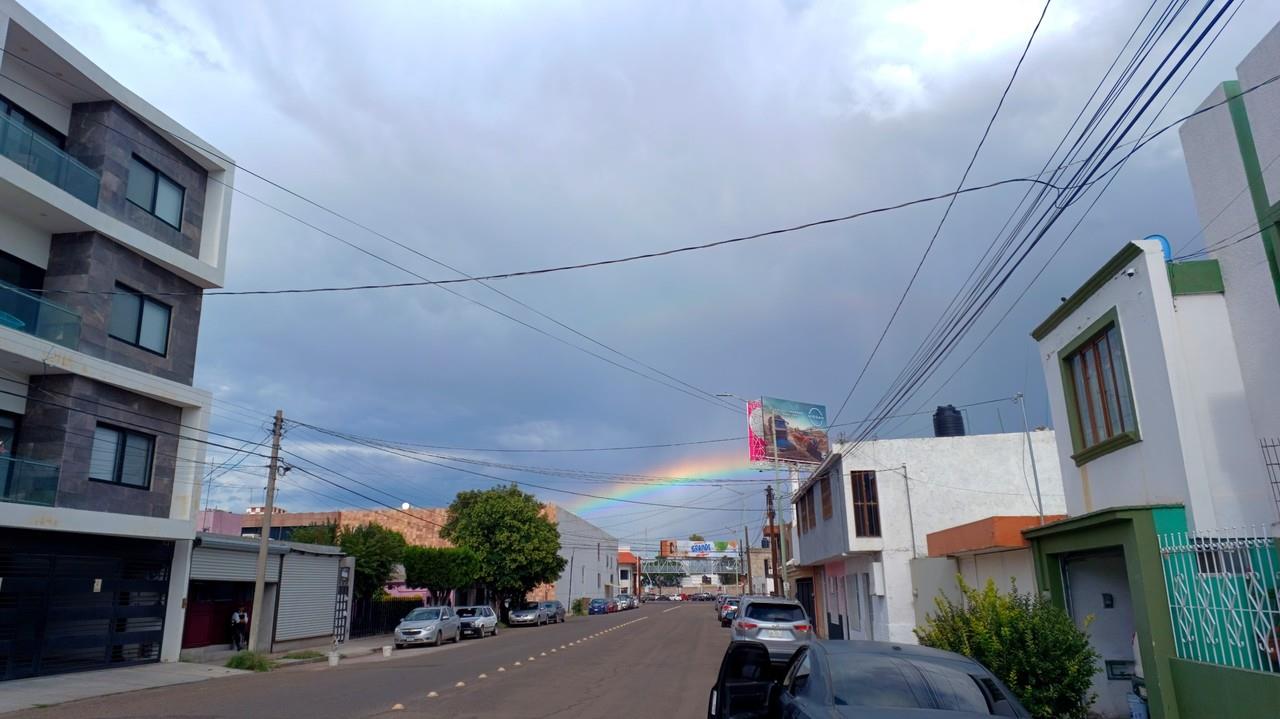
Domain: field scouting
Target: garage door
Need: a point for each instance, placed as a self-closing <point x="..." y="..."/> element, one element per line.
<point x="72" y="602"/>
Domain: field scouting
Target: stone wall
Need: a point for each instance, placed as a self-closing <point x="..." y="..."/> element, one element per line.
<point x="104" y="136"/>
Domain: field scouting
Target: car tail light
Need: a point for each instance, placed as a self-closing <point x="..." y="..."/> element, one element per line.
<point x="748" y="625"/>
<point x="801" y="627"/>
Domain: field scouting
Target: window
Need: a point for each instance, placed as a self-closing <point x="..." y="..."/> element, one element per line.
<point x="121" y="456"/>
<point x="1099" y="398"/>
<point x="825" y="485"/>
<point x="866" y="504"/>
<point x="139" y="320"/>
<point x="154" y="192"/>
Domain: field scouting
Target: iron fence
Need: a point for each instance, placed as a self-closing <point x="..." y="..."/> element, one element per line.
<point x="1222" y="588"/>
<point x="370" y="617"/>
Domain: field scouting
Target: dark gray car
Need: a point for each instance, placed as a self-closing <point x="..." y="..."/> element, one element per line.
<point x="554" y="611"/>
<point x="871" y="680"/>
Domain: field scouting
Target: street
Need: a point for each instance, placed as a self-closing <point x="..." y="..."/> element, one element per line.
<point x="660" y="659"/>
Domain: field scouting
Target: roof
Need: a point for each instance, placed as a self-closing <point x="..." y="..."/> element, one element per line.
<point x="1127" y="254"/>
<point x="250" y="544"/>
<point x="995" y="533"/>
<point x="627" y="558"/>
<point x="1095" y="517"/>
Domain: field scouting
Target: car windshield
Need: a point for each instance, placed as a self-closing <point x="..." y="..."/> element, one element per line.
<point x="892" y="682"/>
<point x="597" y="602"/>
<point x="468" y="611"/>
<point x="422" y="614"/>
<point x="774" y="612"/>
<point x="530" y="605"/>
<point x="731" y="600"/>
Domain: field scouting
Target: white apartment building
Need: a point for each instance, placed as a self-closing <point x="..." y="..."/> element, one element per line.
<point x="113" y="220"/>
<point x="865" y="514"/>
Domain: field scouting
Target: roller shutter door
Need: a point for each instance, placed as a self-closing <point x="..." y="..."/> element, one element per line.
<point x="308" y="591"/>
<point x="223" y="565"/>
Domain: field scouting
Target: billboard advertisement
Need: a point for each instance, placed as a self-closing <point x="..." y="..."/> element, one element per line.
<point x="757" y="448"/>
<point x="700" y="550"/>
<point x="794" y="431"/>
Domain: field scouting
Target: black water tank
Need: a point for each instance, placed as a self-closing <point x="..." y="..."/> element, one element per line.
<point x="948" y="422"/>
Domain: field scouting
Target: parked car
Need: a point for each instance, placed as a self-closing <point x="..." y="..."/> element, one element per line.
<point x="778" y="623"/>
<point x="554" y="611"/>
<point x="727" y="604"/>
<point x="729" y="616"/>
<point x="526" y="614"/>
<point x="478" y="621"/>
<point x="612" y="606"/>
<point x="631" y="601"/>
<point x="598" y="606"/>
<point x="428" y="625"/>
<point x="856" y="678"/>
<point x="662" y="598"/>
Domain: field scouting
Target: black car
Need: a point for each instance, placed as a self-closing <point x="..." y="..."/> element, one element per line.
<point x="856" y="678"/>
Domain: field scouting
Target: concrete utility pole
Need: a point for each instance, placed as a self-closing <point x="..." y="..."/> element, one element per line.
<point x="773" y="542"/>
<point x="746" y="553"/>
<point x="1035" y="473"/>
<point x="260" y="579"/>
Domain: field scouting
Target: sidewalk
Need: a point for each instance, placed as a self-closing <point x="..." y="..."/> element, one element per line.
<point x="218" y="656"/>
<point x="59" y="688"/>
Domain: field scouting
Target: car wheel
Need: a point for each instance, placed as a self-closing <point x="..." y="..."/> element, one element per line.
<point x="439" y="638"/>
<point x="495" y="631"/>
<point x="457" y="636"/>
<point x="399" y="646"/>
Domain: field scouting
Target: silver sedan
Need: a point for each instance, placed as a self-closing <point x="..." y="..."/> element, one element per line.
<point x="428" y="625"/>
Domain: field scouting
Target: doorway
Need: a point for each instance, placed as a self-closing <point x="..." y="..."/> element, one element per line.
<point x="1097" y="586"/>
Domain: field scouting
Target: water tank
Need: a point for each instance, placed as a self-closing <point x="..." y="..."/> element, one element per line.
<point x="948" y="422"/>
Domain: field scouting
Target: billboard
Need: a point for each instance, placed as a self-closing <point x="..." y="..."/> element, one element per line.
<point x="700" y="550"/>
<point x="794" y="431"/>
<point x="757" y="448"/>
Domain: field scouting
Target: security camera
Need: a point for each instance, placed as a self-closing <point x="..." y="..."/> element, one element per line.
<point x="1130" y="272"/>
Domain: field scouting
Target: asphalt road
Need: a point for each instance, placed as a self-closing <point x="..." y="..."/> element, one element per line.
<point x="659" y="660"/>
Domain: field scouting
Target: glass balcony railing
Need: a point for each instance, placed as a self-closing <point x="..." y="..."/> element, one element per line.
<point x="34" y="153"/>
<point x="26" y="312"/>
<point x="25" y="482"/>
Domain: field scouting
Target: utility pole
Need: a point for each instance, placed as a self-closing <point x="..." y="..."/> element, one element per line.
<point x="773" y="543"/>
<point x="746" y="553"/>
<point x="260" y="579"/>
<point x="1035" y="473"/>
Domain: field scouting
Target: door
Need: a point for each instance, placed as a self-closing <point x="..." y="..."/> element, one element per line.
<point x="1097" y="585"/>
<point x="73" y="602"/>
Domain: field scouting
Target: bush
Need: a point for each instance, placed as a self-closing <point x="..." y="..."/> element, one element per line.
<point x="1030" y="644"/>
<point x="250" y="661"/>
<point x="579" y="606"/>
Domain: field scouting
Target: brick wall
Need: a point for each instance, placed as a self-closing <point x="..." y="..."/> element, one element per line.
<point x="416" y="532"/>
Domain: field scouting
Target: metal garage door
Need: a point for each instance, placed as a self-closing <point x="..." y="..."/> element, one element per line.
<point x="308" y="592"/>
<point x="228" y="565"/>
<point x="71" y="602"/>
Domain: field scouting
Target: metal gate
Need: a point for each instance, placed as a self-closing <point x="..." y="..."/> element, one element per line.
<point x="73" y="602"/>
<point x="342" y="605"/>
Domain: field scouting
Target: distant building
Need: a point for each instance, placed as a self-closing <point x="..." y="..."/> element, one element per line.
<point x="863" y="521"/>
<point x="591" y="560"/>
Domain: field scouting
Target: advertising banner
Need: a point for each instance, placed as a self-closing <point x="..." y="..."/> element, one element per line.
<point x="795" y="431"/>
<point x="757" y="448"/>
<point x="699" y="550"/>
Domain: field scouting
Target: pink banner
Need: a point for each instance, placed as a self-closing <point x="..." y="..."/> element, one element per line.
<point x="755" y="432"/>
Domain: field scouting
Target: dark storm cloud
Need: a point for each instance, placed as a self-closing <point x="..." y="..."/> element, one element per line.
<point x="501" y="136"/>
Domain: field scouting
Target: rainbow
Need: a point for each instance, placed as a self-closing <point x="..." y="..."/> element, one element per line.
<point x="722" y="465"/>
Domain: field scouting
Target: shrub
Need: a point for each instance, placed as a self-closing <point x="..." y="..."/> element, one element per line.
<point x="1030" y="644"/>
<point x="250" y="661"/>
<point x="579" y="606"/>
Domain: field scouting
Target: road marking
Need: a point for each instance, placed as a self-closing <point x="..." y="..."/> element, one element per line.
<point x="532" y="659"/>
<point x="562" y="646"/>
<point x="502" y="669"/>
<point x="460" y="684"/>
<point x="543" y="654"/>
<point x="553" y="650"/>
<point x="432" y="695"/>
<point x="518" y="664"/>
<point x="397" y="707"/>
<point x="483" y="676"/>
<point x="664" y="611"/>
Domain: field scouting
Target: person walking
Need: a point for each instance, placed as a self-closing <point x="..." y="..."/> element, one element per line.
<point x="239" y="629"/>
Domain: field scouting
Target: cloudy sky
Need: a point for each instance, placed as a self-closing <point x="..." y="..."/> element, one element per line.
<point x="500" y="136"/>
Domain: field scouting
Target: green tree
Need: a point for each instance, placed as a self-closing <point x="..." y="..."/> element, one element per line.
<point x="1030" y="644"/>
<point x="377" y="551"/>
<point x="517" y="547"/>
<point x="696" y="538"/>
<point x="440" y="569"/>
<point x="326" y="533"/>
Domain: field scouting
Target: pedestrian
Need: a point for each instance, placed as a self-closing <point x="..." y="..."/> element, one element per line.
<point x="239" y="629"/>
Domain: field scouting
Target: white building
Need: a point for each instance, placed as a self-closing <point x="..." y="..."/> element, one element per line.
<point x="112" y="223"/>
<point x="863" y="518"/>
<point x="591" y="560"/>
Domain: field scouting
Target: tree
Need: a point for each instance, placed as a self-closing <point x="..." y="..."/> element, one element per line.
<point x="377" y="551"/>
<point x="1030" y="644"/>
<point x="440" y="569"/>
<point x="696" y="538"/>
<point x="516" y="546"/>
<point x="326" y="533"/>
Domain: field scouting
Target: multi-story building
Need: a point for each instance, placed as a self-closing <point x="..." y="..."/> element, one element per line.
<point x="863" y="518"/>
<point x="591" y="560"/>
<point x="113" y="220"/>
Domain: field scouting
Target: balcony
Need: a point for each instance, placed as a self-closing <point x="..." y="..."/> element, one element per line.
<point x="25" y="482"/>
<point x="26" y="312"/>
<point x="38" y="155"/>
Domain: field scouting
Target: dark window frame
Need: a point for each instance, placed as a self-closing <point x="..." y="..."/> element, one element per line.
<point x="824" y="489"/>
<point x="142" y="307"/>
<point x="117" y="468"/>
<point x="866" y="503"/>
<point x="1094" y="431"/>
<point x="155" y="187"/>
